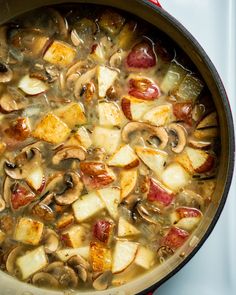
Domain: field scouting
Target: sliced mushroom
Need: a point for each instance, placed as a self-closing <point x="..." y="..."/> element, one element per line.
<point x="6" y="73"/>
<point x="43" y="279"/>
<point x="52" y="267"/>
<point x="154" y="131"/>
<point x="131" y="201"/>
<point x="2" y="204"/>
<point x="11" y="259"/>
<point x="51" y="241"/>
<point x="84" y="79"/>
<point x="102" y="281"/>
<point x="76" y="40"/>
<point x="117" y="58"/>
<point x="144" y="213"/>
<point x="200" y="144"/>
<point x="76" y="260"/>
<point x="8" y="104"/>
<point x="65" y="275"/>
<point x="80" y="266"/>
<point x="74" y="187"/>
<point x="181" y="137"/>
<point x="24" y="163"/>
<point x="81" y="272"/>
<point x="69" y="152"/>
<point x="60" y="21"/>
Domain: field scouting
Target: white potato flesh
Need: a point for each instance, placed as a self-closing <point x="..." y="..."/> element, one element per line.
<point x="145" y="257"/>
<point x="106" y="138"/>
<point x="106" y="78"/>
<point x="87" y="206"/>
<point x="153" y="158"/>
<point x="65" y="254"/>
<point x="124" y="255"/>
<point x="175" y="177"/>
<point x="28" y="231"/>
<point x="128" y="179"/>
<point x="32" y="262"/>
<point x="111" y="198"/>
<point x="125" y="228"/>
<point x="109" y="114"/>
<point x="125" y="156"/>
<point x="159" y="116"/>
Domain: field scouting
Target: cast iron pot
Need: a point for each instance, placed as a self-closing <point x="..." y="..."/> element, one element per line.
<point x="166" y="23"/>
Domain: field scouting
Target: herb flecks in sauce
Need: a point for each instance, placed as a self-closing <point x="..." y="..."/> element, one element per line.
<point x="108" y="144"/>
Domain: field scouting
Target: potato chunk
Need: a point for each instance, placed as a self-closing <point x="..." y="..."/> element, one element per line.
<point x="100" y="257"/>
<point x="75" y="236"/>
<point x="60" y="53"/>
<point x="28" y="231"/>
<point x="109" y="114"/>
<point x="51" y="129"/>
<point x="32" y="262"/>
<point x="71" y="114"/>
<point x="87" y="206"/>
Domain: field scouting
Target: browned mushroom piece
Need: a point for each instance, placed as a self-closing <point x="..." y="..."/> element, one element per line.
<point x="102" y="281"/>
<point x="43" y="279"/>
<point x="6" y="73"/>
<point x="72" y="191"/>
<point x="8" y="104"/>
<point x="154" y="131"/>
<point x="76" y="260"/>
<point x="83" y="80"/>
<point x="23" y="163"/>
<point x="50" y="241"/>
<point x="180" y="137"/>
<point x="65" y="275"/>
<point x="69" y="152"/>
<point x="145" y="214"/>
<point x="11" y="258"/>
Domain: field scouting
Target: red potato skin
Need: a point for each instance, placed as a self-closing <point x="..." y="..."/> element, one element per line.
<point x="185" y="212"/>
<point x="144" y="89"/>
<point x="126" y="108"/>
<point x="175" y="238"/>
<point x="183" y="112"/>
<point x="141" y="56"/>
<point x="207" y="166"/>
<point x="95" y="175"/>
<point x="102" y="230"/>
<point x="158" y="194"/>
<point x="21" y="196"/>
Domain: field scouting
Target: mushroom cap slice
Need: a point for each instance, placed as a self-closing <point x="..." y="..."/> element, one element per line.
<point x="181" y="134"/>
<point x="12" y="257"/>
<point x="74" y="187"/>
<point x="154" y="131"/>
<point x="102" y="281"/>
<point x="69" y="152"/>
<point x="6" y="73"/>
<point x="43" y="279"/>
<point x="76" y="260"/>
<point x="8" y="104"/>
<point x="65" y="275"/>
<point x="24" y="163"/>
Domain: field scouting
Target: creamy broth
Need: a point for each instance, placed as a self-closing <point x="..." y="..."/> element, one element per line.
<point x="109" y="147"/>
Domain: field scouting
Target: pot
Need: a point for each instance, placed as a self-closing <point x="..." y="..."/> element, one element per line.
<point x="153" y="14"/>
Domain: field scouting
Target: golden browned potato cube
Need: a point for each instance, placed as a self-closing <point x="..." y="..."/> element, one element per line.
<point x="72" y="114"/>
<point x="28" y="231"/>
<point x="100" y="257"/>
<point x="60" y="53"/>
<point x="75" y="236"/>
<point x="64" y="221"/>
<point x="51" y="129"/>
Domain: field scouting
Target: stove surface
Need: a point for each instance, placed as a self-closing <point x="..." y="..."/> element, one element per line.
<point x="212" y="271"/>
